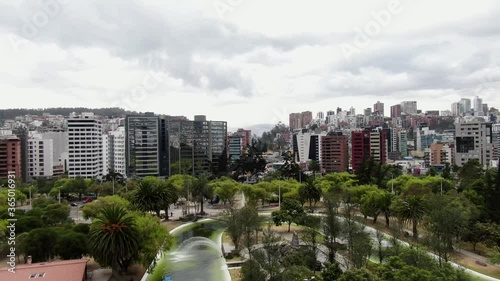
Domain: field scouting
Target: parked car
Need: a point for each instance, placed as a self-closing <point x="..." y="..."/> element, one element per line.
<point x="74" y="204"/>
<point x="88" y="200"/>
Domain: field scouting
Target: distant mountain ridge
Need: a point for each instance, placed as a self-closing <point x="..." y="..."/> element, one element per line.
<point x="257" y="129"/>
<point x="65" y="111"/>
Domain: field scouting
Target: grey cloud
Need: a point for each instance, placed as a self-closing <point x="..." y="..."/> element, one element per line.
<point x="131" y="31"/>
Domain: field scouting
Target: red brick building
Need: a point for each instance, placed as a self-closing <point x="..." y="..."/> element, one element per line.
<point x="360" y="148"/>
<point x="10" y="156"/>
<point x="366" y="144"/>
<point x="334" y="153"/>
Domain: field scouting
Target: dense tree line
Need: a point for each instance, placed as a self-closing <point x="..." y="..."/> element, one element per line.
<point x="64" y="111"/>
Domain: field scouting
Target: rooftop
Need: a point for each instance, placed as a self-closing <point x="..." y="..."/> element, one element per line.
<point x="69" y="270"/>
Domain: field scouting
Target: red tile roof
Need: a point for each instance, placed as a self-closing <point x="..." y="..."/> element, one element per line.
<point x="70" y="270"/>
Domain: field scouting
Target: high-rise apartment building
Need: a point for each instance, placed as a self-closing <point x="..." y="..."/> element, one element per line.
<point x="146" y="142"/>
<point x="320" y="115"/>
<point x="378" y="108"/>
<point x="367" y="112"/>
<point x="409" y="107"/>
<point x="295" y="121"/>
<point x="360" y="148"/>
<point x="40" y="156"/>
<point x="465" y="105"/>
<point x="237" y="143"/>
<point x="478" y="106"/>
<point x="299" y="120"/>
<point x="396" y="111"/>
<point x="235" y="147"/>
<point x="379" y="145"/>
<point x="107" y="153"/>
<point x="457" y="109"/>
<point x="10" y="157"/>
<point x="197" y="146"/>
<point x="307" y="146"/>
<point x="403" y="143"/>
<point x="334" y="153"/>
<point x="496" y="141"/>
<point x="247" y="136"/>
<point x="60" y="149"/>
<point x="441" y="153"/>
<point x="85" y="146"/>
<point x="485" y="109"/>
<point x="119" y="155"/>
<point x="473" y="141"/>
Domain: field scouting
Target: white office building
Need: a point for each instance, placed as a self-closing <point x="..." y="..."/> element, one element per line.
<point x="60" y="151"/>
<point x="107" y="154"/>
<point x="473" y="141"/>
<point x="40" y="156"/>
<point x="119" y="150"/>
<point x="85" y="146"/>
<point x="478" y="106"/>
<point x="466" y="105"/>
<point x="409" y="107"/>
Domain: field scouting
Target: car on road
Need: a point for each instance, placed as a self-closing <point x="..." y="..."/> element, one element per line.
<point x="88" y="200"/>
<point x="74" y="204"/>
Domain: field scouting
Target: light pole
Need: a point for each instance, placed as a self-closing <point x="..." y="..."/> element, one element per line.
<point x="441" y="186"/>
<point x="392" y="184"/>
<point x="279" y="194"/>
<point x="59" y="195"/>
<point x="30" y="197"/>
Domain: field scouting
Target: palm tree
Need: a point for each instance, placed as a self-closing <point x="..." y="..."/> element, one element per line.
<point x="114" y="176"/>
<point x="310" y="191"/>
<point x="169" y="194"/>
<point x="202" y="190"/>
<point x="385" y="206"/>
<point x="114" y="239"/>
<point x="411" y="209"/>
<point x="148" y="197"/>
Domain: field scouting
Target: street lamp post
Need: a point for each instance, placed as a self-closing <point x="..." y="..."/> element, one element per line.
<point x="279" y="195"/>
<point x="59" y="195"/>
<point x="441" y="186"/>
<point x="392" y="183"/>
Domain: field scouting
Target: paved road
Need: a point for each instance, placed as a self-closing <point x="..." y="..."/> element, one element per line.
<point x="76" y="214"/>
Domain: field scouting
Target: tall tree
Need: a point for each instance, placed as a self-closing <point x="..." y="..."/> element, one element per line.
<point x="494" y="198"/>
<point x="468" y="173"/>
<point x="40" y="244"/>
<point x="225" y="188"/>
<point x="251" y="162"/>
<point x="149" y="196"/>
<point x="446" y="224"/>
<point x="154" y="237"/>
<point x="290" y="211"/>
<point x="202" y="190"/>
<point x="79" y="185"/>
<point x="314" y="167"/>
<point x="410" y="209"/>
<point x="310" y="191"/>
<point x="331" y="225"/>
<point x="114" y="240"/>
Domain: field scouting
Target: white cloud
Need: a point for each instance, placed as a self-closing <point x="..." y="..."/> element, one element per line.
<point x="261" y="60"/>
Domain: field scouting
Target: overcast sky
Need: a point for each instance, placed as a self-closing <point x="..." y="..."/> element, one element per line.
<point x="247" y="61"/>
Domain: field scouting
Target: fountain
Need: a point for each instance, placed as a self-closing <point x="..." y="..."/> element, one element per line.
<point x="197" y="257"/>
<point x="196" y="243"/>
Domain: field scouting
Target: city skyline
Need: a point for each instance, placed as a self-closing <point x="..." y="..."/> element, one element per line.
<point x="214" y="58"/>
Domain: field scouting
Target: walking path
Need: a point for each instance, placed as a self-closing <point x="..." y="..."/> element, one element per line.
<point x="373" y="232"/>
